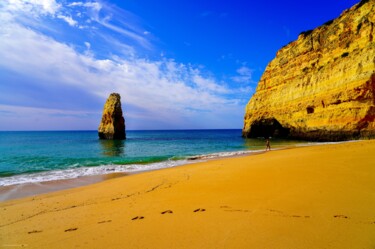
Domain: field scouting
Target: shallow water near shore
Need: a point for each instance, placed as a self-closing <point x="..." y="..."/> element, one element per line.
<point x="39" y="156"/>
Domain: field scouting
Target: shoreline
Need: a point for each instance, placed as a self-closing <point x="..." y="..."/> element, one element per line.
<point x="306" y="197"/>
<point x="21" y="190"/>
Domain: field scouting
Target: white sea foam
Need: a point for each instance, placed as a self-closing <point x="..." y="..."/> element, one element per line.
<point x="86" y="171"/>
<point x="223" y="154"/>
<point x="109" y="169"/>
<point x="130" y="168"/>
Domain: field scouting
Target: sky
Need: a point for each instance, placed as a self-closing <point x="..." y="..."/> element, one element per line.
<point x="184" y="64"/>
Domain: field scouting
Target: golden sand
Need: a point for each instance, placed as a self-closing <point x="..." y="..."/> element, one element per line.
<point x="310" y="197"/>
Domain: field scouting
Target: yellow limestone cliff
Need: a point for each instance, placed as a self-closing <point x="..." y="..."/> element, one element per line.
<point x="321" y="86"/>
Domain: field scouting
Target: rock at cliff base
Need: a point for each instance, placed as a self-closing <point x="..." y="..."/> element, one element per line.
<point x="112" y="125"/>
<point x="321" y="86"/>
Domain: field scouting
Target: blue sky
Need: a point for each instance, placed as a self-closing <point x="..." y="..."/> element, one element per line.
<point x="183" y="64"/>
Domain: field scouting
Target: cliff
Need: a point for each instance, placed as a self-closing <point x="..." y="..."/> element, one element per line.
<point x="321" y="86"/>
<point x="112" y="125"/>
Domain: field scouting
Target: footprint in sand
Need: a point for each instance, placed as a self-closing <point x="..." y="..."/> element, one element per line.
<point x="138" y="218"/>
<point x="71" y="229"/>
<point x="225" y="207"/>
<point x="341" y="216"/>
<point x="104" y="221"/>
<point x="199" y="210"/>
<point x="167" y="212"/>
<point x="35" y="231"/>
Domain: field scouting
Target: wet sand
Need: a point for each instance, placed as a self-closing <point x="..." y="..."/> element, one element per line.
<point x="309" y="197"/>
<point x="31" y="189"/>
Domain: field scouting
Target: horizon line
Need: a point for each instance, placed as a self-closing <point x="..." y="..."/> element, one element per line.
<point x="189" y="129"/>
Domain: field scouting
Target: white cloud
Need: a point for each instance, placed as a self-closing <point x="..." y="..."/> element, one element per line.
<point x="208" y="84"/>
<point x="167" y="90"/>
<point x="92" y="15"/>
<point x="116" y="20"/>
<point x="244" y="75"/>
<point x="35" y="6"/>
<point x="244" y="70"/>
<point x="45" y="118"/>
<point x="128" y="33"/>
<point x="25" y="111"/>
<point x="161" y="90"/>
<point x="121" y="48"/>
<point x="68" y="19"/>
<point x="88" y="45"/>
<point x="93" y="5"/>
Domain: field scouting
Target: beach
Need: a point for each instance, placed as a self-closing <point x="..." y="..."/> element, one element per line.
<point x="306" y="197"/>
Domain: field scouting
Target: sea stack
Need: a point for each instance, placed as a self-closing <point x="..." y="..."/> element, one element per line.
<point x="320" y="87"/>
<point x="112" y="125"/>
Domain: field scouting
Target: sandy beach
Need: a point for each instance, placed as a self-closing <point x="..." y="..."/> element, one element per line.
<point x="308" y="197"/>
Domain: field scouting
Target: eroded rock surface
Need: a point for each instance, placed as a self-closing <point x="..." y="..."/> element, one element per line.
<point x="112" y="125"/>
<point x="321" y="86"/>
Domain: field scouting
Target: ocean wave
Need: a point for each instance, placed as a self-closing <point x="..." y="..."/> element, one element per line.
<point x="223" y="154"/>
<point x="73" y="173"/>
<point x="77" y="172"/>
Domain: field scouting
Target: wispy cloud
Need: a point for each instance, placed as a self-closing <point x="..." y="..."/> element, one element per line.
<point x="45" y="118"/>
<point x="68" y="19"/>
<point x="100" y="18"/>
<point x="117" y="20"/>
<point x="94" y="5"/>
<point x="161" y="91"/>
<point x="209" y="84"/>
<point x="244" y="75"/>
<point x="32" y="6"/>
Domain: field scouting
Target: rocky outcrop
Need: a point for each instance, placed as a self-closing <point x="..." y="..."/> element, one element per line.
<point x="321" y="86"/>
<point x="112" y="125"/>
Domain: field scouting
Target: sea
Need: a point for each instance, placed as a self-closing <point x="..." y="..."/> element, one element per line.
<point x="41" y="156"/>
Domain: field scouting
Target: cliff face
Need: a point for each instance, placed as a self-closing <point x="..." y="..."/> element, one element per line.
<point x="321" y="86"/>
<point x="112" y="125"/>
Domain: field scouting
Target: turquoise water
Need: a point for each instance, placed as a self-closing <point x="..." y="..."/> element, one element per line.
<point x="52" y="155"/>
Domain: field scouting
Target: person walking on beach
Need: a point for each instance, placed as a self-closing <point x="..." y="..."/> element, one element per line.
<point x="268" y="146"/>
